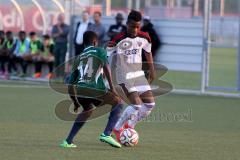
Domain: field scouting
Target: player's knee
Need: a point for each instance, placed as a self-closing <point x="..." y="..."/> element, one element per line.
<point x="147" y="109"/>
<point x="83" y="116"/>
<point x="116" y="100"/>
<point x="87" y="108"/>
<point x="147" y="97"/>
<point x="150" y="106"/>
<point x="87" y="113"/>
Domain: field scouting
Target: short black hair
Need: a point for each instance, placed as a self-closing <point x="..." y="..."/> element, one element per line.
<point x="89" y="37"/>
<point x="46" y="37"/>
<point x="32" y="33"/>
<point x="134" y="16"/>
<point x="21" y="32"/>
<point x="99" y="13"/>
<point x="119" y="16"/>
<point x="2" y="32"/>
<point x="9" y="33"/>
<point x="85" y="11"/>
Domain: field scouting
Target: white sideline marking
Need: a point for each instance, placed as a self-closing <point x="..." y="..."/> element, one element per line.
<point x="22" y="86"/>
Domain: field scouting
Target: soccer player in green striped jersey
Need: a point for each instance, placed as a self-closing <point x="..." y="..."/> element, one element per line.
<point x="87" y="88"/>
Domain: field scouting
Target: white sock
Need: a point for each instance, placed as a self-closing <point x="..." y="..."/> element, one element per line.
<point x="130" y="112"/>
<point x="144" y="112"/>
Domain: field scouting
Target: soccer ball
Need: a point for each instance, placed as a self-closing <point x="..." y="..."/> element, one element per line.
<point x="129" y="137"/>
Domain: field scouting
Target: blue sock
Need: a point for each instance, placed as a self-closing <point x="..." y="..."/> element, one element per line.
<point x="113" y="118"/>
<point x="75" y="128"/>
<point x="77" y="125"/>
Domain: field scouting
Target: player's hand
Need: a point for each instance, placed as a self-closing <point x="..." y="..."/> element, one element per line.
<point x="113" y="90"/>
<point x="151" y="76"/>
<point x="76" y="106"/>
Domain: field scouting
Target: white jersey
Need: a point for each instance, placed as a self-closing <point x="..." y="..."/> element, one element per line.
<point x="127" y="53"/>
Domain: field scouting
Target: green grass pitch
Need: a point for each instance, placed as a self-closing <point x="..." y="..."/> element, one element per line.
<point x="29" y="130"/>
<point x="222" y="71"/>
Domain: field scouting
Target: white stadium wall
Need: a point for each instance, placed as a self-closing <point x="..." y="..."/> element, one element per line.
<point x="182" y="42"/>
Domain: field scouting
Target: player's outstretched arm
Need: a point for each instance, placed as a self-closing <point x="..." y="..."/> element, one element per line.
<point x="151" y="75"/>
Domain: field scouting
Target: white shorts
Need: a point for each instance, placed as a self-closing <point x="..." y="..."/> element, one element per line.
<point x="136" y="82"/>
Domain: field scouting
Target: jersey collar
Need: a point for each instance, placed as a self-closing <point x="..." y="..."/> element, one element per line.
<point x="88" y="47"/>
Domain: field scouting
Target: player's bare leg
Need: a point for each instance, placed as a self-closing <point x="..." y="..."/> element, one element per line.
<point x="130" y="112"/>
<point x="145" y="110"/>
<point x="117" y="105"/>
<point x="108" y="98"/>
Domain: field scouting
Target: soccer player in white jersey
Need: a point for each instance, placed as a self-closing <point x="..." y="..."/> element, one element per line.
<point x="126" y="48"/>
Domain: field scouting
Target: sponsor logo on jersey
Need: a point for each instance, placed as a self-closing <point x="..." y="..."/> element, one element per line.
<point x="130" y="52"/>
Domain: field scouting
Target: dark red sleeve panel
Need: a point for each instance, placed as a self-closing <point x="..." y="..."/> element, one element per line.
<point x="144" y="35"/>
<point x="117" y="39"/>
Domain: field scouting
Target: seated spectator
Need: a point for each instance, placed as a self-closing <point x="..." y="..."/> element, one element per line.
<point x="118" y="27"/>
<point x="35" y="51"/>
<point x="22" y="53"/>
<point x="10" y="47"/>
<point x="35" y="46"/>
<point x="2" y="53"/>
<point x="46" y="57"/>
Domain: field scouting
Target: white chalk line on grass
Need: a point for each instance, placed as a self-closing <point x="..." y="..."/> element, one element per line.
<point x="23" y="86"/>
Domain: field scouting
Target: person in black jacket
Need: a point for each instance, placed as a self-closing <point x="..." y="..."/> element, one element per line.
<point x="2" y="52"/>
<point x="148" y="27"/>
<point x="10" y="47"/>
<point x="118" y="27"/>
<point x="82" y="27"/>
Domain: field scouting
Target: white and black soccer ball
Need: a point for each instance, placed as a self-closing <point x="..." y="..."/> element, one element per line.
<point x="129" y="137"/>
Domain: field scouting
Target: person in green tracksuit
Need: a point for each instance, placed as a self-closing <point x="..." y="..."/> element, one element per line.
<point x="35" y="51"/>
<point x="47" y="56"/>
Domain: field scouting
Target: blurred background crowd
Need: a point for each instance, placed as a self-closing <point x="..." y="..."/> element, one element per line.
<point x="39" y="35"/>
<point x="19" y="52"/>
